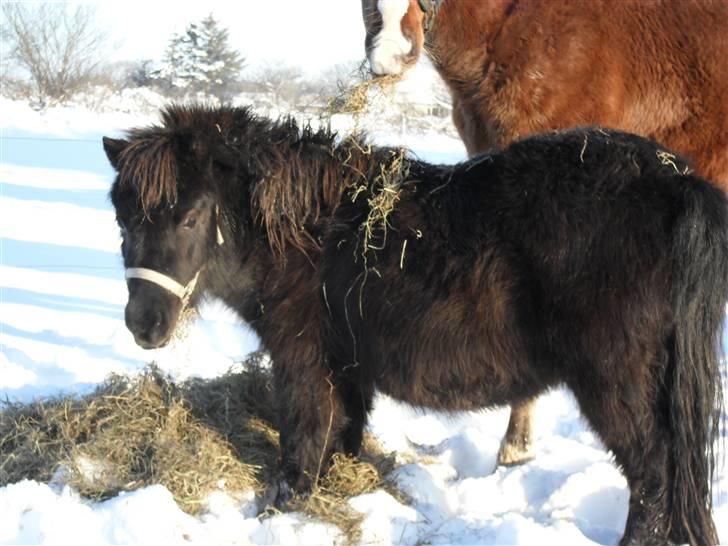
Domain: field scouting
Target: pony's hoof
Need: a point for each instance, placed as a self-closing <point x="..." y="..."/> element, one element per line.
<point x="511" y="454"/>
<point x="283" y="494"/>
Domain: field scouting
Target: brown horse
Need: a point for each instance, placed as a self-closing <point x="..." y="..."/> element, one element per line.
<point x="658" y="68"/>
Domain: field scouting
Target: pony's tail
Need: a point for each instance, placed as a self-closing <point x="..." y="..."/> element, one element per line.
<point x="700" y="292"/>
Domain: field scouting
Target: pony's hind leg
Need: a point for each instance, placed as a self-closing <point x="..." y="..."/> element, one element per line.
<point x="517" y="445"/>
<point x="634" y="430"/>
<point x="648" y="475"/>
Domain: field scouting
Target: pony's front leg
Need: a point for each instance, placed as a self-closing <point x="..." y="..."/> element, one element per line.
<point x="311" y="417"/>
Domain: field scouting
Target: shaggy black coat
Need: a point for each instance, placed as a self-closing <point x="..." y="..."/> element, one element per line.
<point x="588" y="258"/>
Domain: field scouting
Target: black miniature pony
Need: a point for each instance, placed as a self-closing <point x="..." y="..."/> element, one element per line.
<point x="588" y="258"/>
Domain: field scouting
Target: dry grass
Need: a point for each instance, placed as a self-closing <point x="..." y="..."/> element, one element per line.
<point x="354" y="98"/>
<point x="670" y="160"/>
<point x="127" y="434"/>
<point x="348" y="477"/>
<point x="382" y="194"/>
<point x="193" y="438"/>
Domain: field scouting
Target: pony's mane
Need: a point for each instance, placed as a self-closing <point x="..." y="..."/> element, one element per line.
<point x="303" y="180"/>
<point x="299" y="174"/>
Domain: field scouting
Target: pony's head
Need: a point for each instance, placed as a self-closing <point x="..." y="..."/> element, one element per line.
<point x="207" y="173"/>
<point x="166" y="200"/>
<point x="395" y="33"/>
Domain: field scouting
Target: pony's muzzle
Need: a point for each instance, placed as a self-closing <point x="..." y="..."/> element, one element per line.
<point x="151" y="316"/>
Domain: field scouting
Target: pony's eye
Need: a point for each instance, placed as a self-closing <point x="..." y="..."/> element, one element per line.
<point x="190" y="221"/>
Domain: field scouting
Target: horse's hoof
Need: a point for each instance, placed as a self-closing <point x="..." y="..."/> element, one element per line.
<point x="283" y="494"/>
<point x="513" y="454"/>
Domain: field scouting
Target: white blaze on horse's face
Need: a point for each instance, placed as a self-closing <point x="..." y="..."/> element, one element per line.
<point x="390" y="47"/>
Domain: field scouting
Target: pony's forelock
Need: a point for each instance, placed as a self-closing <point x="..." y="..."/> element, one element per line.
<point x="148" y="166"/>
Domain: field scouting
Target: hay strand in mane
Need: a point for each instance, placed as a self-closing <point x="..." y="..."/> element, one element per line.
<point x="383" y="194"/>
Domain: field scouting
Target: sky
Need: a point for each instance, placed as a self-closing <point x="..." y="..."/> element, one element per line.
<point x="310" y="34"/>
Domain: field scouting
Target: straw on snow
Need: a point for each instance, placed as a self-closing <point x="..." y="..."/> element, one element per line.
<point x="193" y="438"/>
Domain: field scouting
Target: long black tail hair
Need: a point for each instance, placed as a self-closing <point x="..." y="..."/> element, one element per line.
<point x="700" y="292"/>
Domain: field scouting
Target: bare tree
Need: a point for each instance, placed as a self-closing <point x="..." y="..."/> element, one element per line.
<point x="58" y="47"/>
<point x="282" y="81"/>
<point x="334" y="80"/>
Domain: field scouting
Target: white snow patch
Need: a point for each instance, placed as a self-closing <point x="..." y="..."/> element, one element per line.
<point x="596" y="497"/>
<point x="114" y="113"/>
<point x="62" y="224"/>
<point x="293" y="529"/>
<point x="68" y="285"/>
<point x="14" y="376"/>
<point x="386" y="520"/>
<point x="519" y="529"/>
<point x="52" y="179"/>
<point x="56" y="364"/>
<point x="472" y="453"/>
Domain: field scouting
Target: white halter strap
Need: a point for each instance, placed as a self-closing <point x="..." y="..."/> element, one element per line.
<point x="183" y="292"/>
<point x="160" y="279"/>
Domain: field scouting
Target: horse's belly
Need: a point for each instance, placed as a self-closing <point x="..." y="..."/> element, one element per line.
<point x="458" y="381"/>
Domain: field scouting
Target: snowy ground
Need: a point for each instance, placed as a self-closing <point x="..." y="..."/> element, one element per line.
<point x="61" y="330"/>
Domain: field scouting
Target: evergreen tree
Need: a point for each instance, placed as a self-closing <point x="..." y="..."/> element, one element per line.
<point x="200" y="59"/>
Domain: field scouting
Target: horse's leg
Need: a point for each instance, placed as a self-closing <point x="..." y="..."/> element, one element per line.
<point x="311" y="418"/>
<point x="646" y="465"/>
<point x="632" y="427"/>
<point x="357" y="399"/>
<point x="517" y="445"/>
<point x="647" y="519"/>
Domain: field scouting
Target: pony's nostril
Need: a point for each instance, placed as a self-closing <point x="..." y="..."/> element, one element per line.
<point x="157" y="327"/>
<point x="149" y="327"/>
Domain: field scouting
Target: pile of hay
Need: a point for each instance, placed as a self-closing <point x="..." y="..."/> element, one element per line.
<point x="194" y="438"/>
<point x="132" y="432"/>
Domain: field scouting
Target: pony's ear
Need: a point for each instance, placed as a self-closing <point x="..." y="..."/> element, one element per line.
<point x="113" y="148"/>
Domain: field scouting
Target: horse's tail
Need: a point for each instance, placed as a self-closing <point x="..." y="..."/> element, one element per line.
<point x="700" y="292"/>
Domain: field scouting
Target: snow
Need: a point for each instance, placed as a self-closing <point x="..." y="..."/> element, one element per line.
<point x="62" y="330"/>
<point x="131" y="107"/>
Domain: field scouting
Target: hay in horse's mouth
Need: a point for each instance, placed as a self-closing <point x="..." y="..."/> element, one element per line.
<point x="194" y="438"/>
<point x="354" y="98"/>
